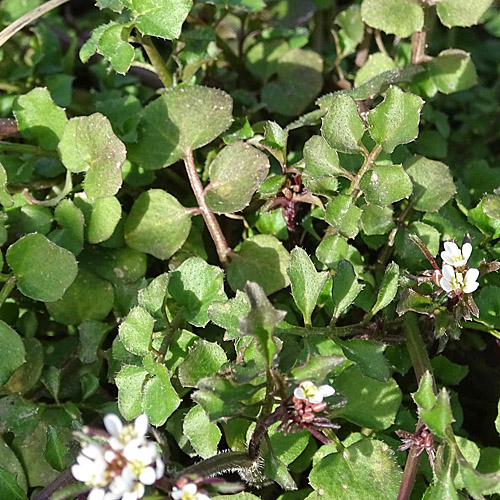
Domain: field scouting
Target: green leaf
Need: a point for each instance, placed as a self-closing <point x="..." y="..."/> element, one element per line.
<point x="425" y="397"/>
<point x="91" y="335"/>
<point x="384" y="185"/>
<point x="261" y="321"/>
<point x="235" y="174"/>
<point x="12" y="352"/>
<point x="376" y="220"/>
<point x="101" y="217"/>
<point x="461" y="12"/>
<point x="204" y="359"/>
<point x="39" y="119"/>
<point x="195" y="285"/>
<point x="10" y="463"/>
<point x="44" y="271"/>
<point x="395" y="17"/>
<point x="452" y="70"/>
<point x="263" y="259"/>
<point x="181" y="119"/>
<point x="203" y="435"/>
<point x="5" y="197"/>
<point x="72" y="222"/>
<point x="369" y="356"/>
<point x="345" y="288"/>
<point x="321" y="160"/>
<point x="317" y="367"/>
<point x="342" y="126"/>
<point x="14" y="9"/>
<point x="159" y="399"/>
<point x="444" y="488"/>
<point x="343" y="215"/>
<point x="306" y="282"/>
<point x="275" y="137"/>
<point x="481" y="218"/>
<point x="135" y="332"/>
<point x="162" y="18"/>
<point x="88" y="298"/>
<point x="130" y="381"/>
<point x="440" y="416"/>
<point x="299" y="81"/>
<point x="432" y="183"/>
<point x="370" y="403"/>
<point x="288" y="447"/>
<point x="448" y="372"/>
<point x="262" y="57"/>
<point x="9" y="487"/>
<point x="411" y="300"/>
<point x="366" y="469"/>
<point x="55" y="450"/>
<point x="332" y="250"/>
<point x="227" y="313"/>
<point x="375" y="64"/>
<point x="113" y="45"/>
<point x="388" y="288"/>
<point x="395" y="120"/>
<point x="152" y="297"/>
<point x="145" y="228"/>
<point x="351" y="29"/>
<point x="475" y="482"/>
<point x="88" y="144"/>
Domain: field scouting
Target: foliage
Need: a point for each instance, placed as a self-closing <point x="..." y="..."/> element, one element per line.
<point x="219" y="213"/>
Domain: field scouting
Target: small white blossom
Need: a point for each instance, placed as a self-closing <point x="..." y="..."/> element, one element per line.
<point x="453" y="280"/>
<point x="119" y="467"/>
<point x="188" y="492"/>
<point x="454" y="256"/>
<point x="312" y="393"/>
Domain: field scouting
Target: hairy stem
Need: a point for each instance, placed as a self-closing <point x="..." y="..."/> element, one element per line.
<point x="156" y="60"/>
<point x="421" y="364"/>
<point x="223" y="250"/>
<point x="28" y="18"/>
<point x="230" y="460"/>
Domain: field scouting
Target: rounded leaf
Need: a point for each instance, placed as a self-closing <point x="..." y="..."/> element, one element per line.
<point x="157" y="224"/>
<point x="395" y="120"/>
<point x="88" y="298"/>
<point x="383" y="185"/>
<point x="461" y="12"/>
<point x="262" y="259"/>
<point x="235" y="174"/>
<point x="44" y="271"/>
<point x="452" y="70"/>
<point x="12" y="352"/>
<point x="395" y="17"/>
<point x="181" y="119"/>
<point x="342" y="126"/>
<point x="433" y="184"/>
<point x="88" y="144"/>
<point x="343" y="215"/>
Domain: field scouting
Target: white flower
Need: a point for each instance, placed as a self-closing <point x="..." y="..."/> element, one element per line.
<point x="455" y="257"/>
<point x="119" y="467"/>
<point x="457" y="281"/>
<point x="188" y="492"/>
<point x="314" y="394"/>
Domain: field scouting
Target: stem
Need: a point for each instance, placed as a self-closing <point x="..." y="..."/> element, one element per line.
<point x="367" y="164"/>
<point x="223" y="462"/>
<point x="156" y="60"/>
<point x="223" y="250"/>
<point x="65" y="479"/>
<point x="421" y="364"/>
<point x="7" y="288"/>
<point x="15" y="147"/>
<point x="28" y="18"/>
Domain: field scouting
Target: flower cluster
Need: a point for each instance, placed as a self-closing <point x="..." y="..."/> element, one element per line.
<point x="306" y="403"/>
<point x="120" y="465"/>
<point x="454" y="278"/>
<point x="421" y="440"/>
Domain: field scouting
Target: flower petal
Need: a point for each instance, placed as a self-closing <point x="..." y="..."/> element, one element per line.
<point x="451" y="248"/>
<point x="446" y="285"/>
<point x="448" y="272"/>
<point x="147" y="476"/>
<point x="141" y="425"/>
<point x="176" y="493"/>
<point x="81" y="473"/>
<point x="466" y="251"/>
<point x="326" y="390"/>
<point x="299" y="393"/>
<point x="96" y="494"/>
<point x="160" y="468"/>
<point x="113" y="424"/>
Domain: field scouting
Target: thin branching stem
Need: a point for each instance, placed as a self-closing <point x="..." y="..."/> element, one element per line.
<point x="223" y="250"/>
<point x="28" y="18"/>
